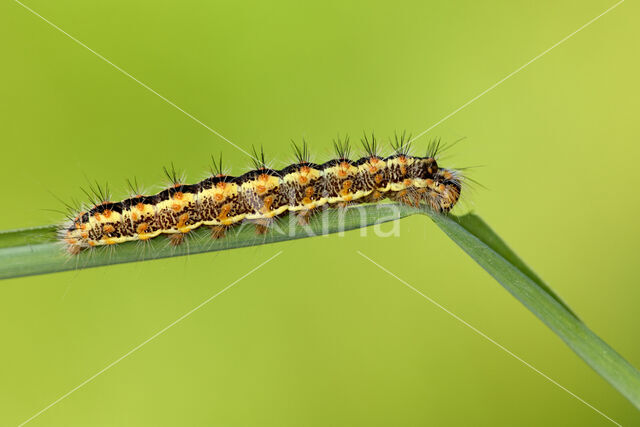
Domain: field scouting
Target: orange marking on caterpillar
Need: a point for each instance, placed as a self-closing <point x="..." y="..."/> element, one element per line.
<point x="182" y="220"/>
<point x="268" y="201"/>
<point x="142" y="227"/>
<point x="345" y="190"/>
<point x="109" y="228"/>
<point x="178" y="196"/>
<point x="346" y="186"/>
<point x="106" y="213"/>
<point x="140" y="207"/>
<point x="222" y="216"/>
<point x="308" y="193"/>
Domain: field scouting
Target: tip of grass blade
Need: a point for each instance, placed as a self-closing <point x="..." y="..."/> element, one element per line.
<point x="479" y="241"/>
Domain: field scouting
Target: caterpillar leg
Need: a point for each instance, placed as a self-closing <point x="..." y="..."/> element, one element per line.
<point x="406" y="197"/>
<point x="262" y="225"/>
<point x="176" y="239"/>
<point x="304" y="217"/>
<point x="218" y="231"/>
<point x="343" y="205"/>
<point x="74" y="249"/>
<point x="374" y="197"/>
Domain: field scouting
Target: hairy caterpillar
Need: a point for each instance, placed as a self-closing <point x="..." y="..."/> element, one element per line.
<point x="262" y="194"/>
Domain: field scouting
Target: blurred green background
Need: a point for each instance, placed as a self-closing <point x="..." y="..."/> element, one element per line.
<point x="319" y="336"/>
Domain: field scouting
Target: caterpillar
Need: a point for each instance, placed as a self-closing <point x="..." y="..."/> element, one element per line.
<point x="260" y="195"/>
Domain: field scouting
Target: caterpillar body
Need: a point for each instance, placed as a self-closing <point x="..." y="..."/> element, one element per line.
<point x="222" y="201"/>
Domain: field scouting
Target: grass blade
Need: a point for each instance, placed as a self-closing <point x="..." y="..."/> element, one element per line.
<point x="37" y="251"/>
<point x="492" y="254"/>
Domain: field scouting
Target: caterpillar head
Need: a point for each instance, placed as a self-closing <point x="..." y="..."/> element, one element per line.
<point x="447" y="185"/>
<point x="440" y="188"/>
